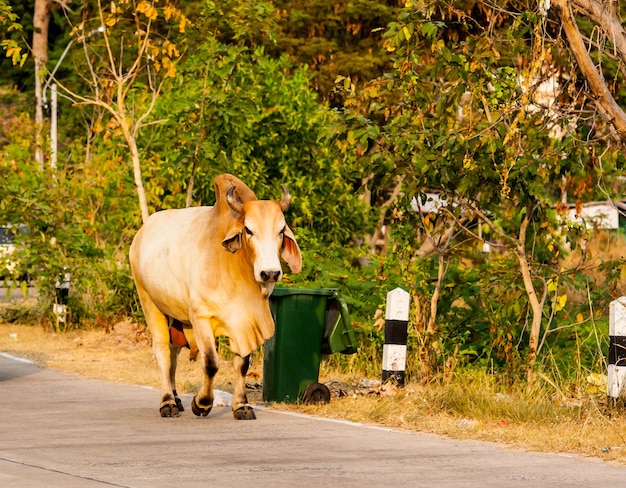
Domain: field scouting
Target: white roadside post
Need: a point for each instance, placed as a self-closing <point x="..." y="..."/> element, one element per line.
<point x="617" y="349"/>
<point x="62" y="288"/>
<point x="394" y="349"/>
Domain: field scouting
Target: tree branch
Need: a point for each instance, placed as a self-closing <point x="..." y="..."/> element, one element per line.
<point x="612" y="112"/>
<point x="601" y="15"/>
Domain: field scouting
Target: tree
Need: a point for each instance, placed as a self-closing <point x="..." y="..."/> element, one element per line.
<point x="9" y="22"/>
<point x="465" y="115"/>
<point x="127" y="71"/>
<point x="40" y="54"/>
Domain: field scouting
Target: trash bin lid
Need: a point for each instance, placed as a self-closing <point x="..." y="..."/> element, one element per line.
<point x="325" y="292"/>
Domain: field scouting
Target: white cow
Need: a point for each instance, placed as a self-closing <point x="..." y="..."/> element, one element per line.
<point x="211" y="270"/>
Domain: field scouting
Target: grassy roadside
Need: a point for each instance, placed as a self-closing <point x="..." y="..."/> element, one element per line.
<point x="471" y="406"/>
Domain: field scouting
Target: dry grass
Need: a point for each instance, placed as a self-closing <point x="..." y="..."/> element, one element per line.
<point x="471" y="407"/>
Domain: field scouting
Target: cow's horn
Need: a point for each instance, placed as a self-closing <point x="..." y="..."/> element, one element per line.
<point x="286" y="200"/>
<point x="233" y="202"/>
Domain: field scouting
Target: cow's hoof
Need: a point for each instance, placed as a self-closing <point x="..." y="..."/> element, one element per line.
<point x="198" y="410"/>
<point x="179" y="404"/>
<point x="244" y="413"/>
<point x="169" y="410"/>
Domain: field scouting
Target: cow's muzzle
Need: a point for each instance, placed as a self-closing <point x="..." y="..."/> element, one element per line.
<point x="270" y="276"/>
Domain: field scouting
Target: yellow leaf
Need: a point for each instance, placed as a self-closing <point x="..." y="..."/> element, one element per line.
<point x="406" y="32"/>
<point x="597" y="379"/>
<point x="560" y="303"/>
<point x="13" y="51"/>
<point x="428" y="225"/>
<point x="350" y="137"/>
<point x="183" y="23"/>
<point x="147" y="9"/>
<point x="372" y="91"/>
<point x="110" y="21"/>
<point x="170" y="49"/>
<point x="169" y="11"/>
<point x="437" y="46"/>
<point x="171" y="70"/>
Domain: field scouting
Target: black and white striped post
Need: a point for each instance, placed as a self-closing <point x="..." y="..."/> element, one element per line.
<point x="59" y="307"/>
<point x="394" y="349"/>
<point x="617" y="349"/>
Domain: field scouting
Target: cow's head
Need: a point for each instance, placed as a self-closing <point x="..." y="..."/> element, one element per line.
<point x="262" y="230"/>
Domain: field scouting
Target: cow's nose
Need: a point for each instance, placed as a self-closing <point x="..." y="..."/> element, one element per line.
<point x="270" y="276"/>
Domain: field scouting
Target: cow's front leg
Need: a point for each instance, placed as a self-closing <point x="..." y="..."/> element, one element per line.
<point x="241" y="409"/>
<point x="203" y="401"/>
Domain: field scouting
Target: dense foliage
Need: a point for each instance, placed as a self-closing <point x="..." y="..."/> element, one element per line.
<point x="364" y="110"/>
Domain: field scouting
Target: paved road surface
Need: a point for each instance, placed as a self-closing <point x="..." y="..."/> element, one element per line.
<point x="15" y="296"/>
<point x="60" y="430"/>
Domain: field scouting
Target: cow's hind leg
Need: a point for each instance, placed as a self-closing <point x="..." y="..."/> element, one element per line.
<point x="203" y="401"/>
<point x="163" y="353"/>
<point x="241" y="409"/>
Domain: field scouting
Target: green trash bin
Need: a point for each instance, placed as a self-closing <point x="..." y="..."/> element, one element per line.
<point x="309" y="323"/>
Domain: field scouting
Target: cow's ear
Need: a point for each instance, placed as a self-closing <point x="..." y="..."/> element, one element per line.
<point x="232" y="241"/>
<point x="291" y="252"/>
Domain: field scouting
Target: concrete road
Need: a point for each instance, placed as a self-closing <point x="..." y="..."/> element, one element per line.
<point x="60" y="430"/>
<point x="15" y="296"/>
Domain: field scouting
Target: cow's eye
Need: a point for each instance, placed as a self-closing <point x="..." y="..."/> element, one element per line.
<point x="282" y="232"/>
<point x="248" y="232"/>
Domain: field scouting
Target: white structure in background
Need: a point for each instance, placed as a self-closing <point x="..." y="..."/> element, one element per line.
<point x="598" y="215"/>
<point x="431" y="204"/>
<point x="544" y="99"/>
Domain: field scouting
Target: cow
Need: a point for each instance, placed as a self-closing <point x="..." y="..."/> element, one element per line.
<point x="204" y="272"/>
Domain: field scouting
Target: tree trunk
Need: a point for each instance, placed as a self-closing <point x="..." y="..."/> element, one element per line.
<point x="431" y="347"/>
<point x="41" y="21"/>
<point x="141" y="192"/>
<point x="379" y="240"/>
<point x="536" y="304"/>
<point x="134" y="155"/>
<point x="611" y="111"/>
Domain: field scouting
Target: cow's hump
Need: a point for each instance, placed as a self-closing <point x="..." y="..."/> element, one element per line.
<point x="223" y="183"/>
